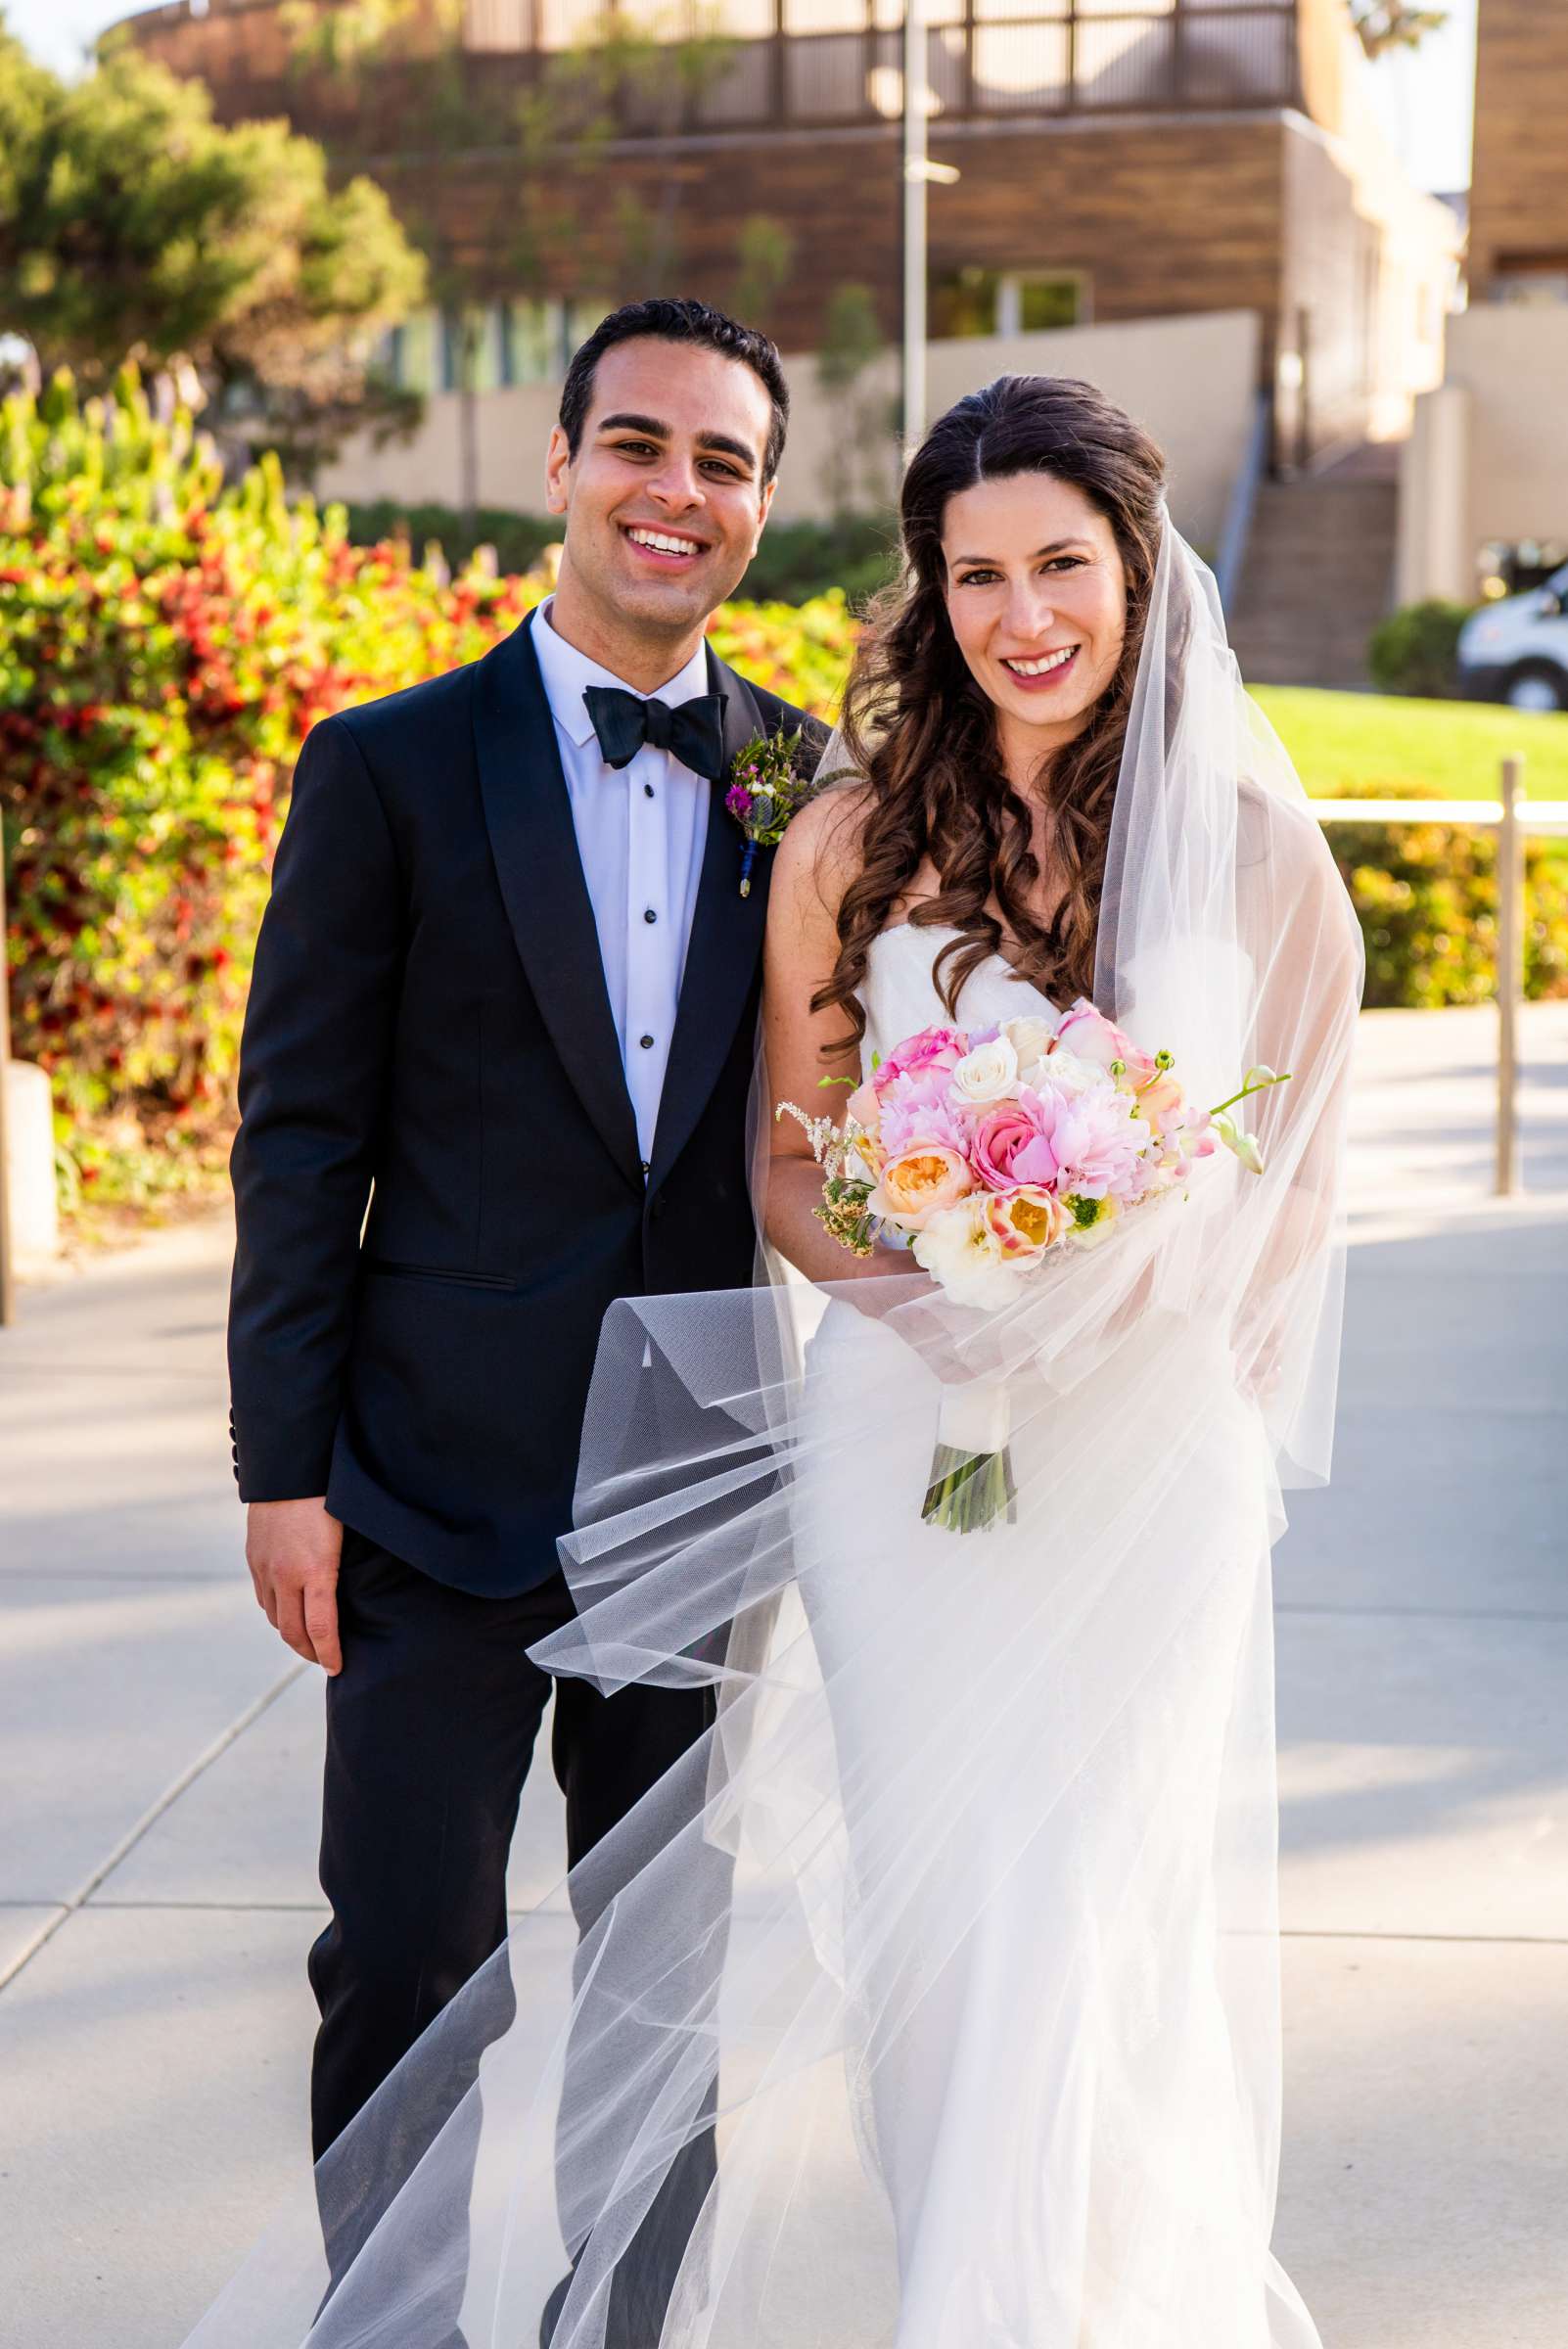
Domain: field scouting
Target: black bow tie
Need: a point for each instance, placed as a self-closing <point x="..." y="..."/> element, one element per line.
<point x="693" y="732"/>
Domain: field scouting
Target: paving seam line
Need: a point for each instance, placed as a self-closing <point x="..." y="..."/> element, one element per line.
<point x="1528" y="1940"/>
<point x="149" y="1819"/>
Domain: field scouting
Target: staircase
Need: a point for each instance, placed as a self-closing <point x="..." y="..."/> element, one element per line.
<point x="1319" y="574"/>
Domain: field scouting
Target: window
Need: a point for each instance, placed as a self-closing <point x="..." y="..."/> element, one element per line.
<point x="1008" y="302"/>
<point x="1539" y="280"/>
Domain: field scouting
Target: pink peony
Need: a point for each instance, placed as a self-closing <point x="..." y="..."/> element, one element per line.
<point x="918" y="1109"/>
<point x="1011" y="1145"/>
<point x="1100" y="1149"/>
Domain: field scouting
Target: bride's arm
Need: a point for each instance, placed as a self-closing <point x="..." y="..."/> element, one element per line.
<point x="811" y="867"/>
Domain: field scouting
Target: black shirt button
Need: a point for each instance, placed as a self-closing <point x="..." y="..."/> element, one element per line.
<point x="650" y="915"/>
<point x="648" y="791"/>
<point x="646" y="1043"/>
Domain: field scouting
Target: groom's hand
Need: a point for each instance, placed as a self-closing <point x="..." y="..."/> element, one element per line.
<point x="292" y="1548"/>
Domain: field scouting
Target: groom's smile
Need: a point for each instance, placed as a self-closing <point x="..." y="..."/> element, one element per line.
<point x="668" y="549"/>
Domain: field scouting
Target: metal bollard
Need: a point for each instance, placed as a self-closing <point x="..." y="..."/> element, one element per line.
<point x="1510" y="975"/>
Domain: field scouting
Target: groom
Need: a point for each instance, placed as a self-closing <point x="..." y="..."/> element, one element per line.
<point x="505" y="996"/>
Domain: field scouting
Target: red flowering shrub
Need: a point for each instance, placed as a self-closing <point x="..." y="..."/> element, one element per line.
<point x="164" y="646"/>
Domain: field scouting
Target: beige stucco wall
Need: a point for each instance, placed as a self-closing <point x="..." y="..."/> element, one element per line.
<point x="1489" y="456"/>
<point x="1188" y="381"/>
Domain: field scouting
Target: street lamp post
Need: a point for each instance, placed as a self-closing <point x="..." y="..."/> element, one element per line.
<point x="915" y="164"/>
<point x="918" y="174"/>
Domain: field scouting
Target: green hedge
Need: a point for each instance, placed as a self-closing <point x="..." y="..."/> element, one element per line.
<point x="1416" y="650"/>
<point x="1426" y="894"/>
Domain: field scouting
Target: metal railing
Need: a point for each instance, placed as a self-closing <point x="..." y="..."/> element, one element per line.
<point x="1516" y="819"/>
<point x="773" y="64"/>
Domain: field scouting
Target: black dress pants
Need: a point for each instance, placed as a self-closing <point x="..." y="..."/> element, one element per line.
<point x="431" y="1727"/>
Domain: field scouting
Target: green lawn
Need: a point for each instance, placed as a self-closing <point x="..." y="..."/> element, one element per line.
<point x="1363" y="743"/>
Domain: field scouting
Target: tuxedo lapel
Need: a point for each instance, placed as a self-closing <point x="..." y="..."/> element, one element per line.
<point x="533" y="841"/>
<point x="725" y="944"/>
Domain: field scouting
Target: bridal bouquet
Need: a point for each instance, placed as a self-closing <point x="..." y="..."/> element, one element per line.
<point x="984" y="1153"/>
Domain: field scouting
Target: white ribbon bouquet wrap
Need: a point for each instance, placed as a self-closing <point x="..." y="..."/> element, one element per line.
<point x="931" y="2000"/>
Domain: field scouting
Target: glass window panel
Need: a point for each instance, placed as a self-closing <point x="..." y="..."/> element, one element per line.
<point x="535" y="337"/>
<point x="582" y="313"/>
<point x="1127" y="8"/>
<point x="823" y="16"/>
<point x="887" y="15"/>
<point x="567" y="23"/>
<point x="825" y="77"/>
<point x="1006" y="11"/>
<point x="963" y="303"/>
<point x="736" y="19"/>
<point x="1243" y="61"/>
<point x="1020" y="68"/>
<point x="744" y="91"/>
<point x="1127" y="63"/>
<point x="944" y="73"/>
<point x="1047" y="302"/>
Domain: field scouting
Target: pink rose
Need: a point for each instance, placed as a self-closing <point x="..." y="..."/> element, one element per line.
<point x="865" y="1106"/>
<point x="932" y="1049"/>
<point x="919" y="1183"/>
<point x="1092" y="1036"/>
<point x="1012" y="1146"/>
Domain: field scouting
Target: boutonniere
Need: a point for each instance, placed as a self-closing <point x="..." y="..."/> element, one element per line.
<point x="765" y="791"/>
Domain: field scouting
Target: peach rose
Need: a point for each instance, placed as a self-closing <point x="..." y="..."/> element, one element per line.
<point x="919" y="1183"/>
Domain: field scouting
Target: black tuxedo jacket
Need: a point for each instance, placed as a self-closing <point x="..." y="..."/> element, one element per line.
<point x="429" y="1031"/>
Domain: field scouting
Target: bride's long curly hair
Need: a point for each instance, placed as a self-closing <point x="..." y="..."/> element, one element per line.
<point x="923" y="734"/>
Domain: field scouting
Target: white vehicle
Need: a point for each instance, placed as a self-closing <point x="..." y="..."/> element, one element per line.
<point x="1517" y="650"/>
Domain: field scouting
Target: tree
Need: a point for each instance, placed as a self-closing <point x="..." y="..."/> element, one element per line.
<point x="765" y="252"/>
<point x="856" y="474"/>
<point x="134" y="226"/>
<point x="1385" y="24"/>
<point x="507" y="193"/>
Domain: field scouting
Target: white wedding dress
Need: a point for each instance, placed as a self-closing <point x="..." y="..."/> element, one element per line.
<point x="1056" y="2094"/>
<point x="932" y="2001"/>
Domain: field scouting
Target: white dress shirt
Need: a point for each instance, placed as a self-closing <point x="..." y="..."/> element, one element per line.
<point x="641" y="830"/>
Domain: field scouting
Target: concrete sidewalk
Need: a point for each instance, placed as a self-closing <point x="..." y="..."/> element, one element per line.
<point x="161" y="1755"/>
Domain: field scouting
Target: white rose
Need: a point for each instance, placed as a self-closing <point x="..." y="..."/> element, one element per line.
<point x="958" y="1251"/>
<point x="989" y="1073"/>
<point x="1069" y="1073"/>
<point x="1028" y="1038"/>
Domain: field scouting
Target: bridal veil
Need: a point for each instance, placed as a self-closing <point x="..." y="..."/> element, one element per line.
<point x="932" y="2001"/>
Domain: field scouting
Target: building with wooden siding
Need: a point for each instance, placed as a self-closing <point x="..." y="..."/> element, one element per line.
<point x="1117" y="159"/>
<point x="1519" y="199"/>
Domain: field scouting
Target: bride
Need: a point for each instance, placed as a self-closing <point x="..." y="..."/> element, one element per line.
<point x="932" y="2002"/>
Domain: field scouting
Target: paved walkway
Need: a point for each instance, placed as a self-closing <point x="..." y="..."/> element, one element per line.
<point x="160" y="1755"/>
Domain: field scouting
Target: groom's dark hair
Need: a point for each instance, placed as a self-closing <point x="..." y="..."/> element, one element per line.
<point x="668" y="321"/>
